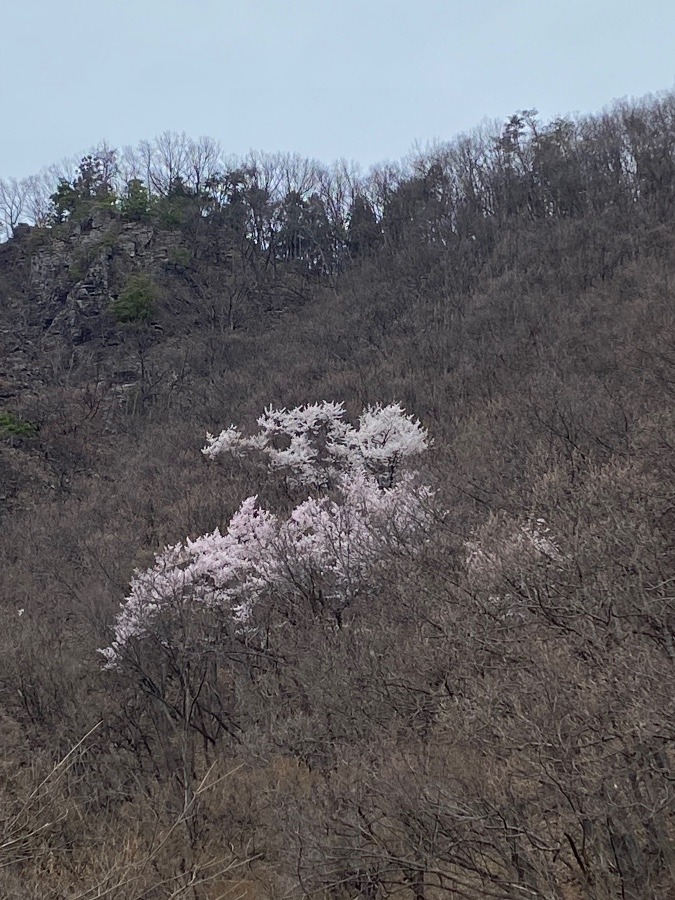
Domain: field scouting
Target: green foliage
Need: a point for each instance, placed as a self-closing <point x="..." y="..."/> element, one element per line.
<point x="179" y="259"/>
<point x="12" y="426"/>
<point x="135" y="205"/>
<point x="91" y="187"/>
<point x="94" y="178"/>
<point x="64" y="201"/>
<point x="135" y="304"/>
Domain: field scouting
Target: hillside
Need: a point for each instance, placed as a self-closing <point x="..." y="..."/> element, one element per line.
<point x="491" y="715"/>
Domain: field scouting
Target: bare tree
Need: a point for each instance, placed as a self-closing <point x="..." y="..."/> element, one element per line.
<point x="170" y="158"/>
<point x="204" y="162"/>
<point x="13" y="197"/>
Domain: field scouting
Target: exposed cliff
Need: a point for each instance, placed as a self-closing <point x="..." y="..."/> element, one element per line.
<point x="75" y="278"/>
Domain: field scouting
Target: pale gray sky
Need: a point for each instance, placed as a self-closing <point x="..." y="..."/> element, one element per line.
<point x="361" y="79"/>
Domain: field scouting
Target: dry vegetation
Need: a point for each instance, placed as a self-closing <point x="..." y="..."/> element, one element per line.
<point x="496" y="730"/>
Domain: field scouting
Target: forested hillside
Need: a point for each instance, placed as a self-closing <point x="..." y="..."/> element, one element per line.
<point x="435" y="656"/>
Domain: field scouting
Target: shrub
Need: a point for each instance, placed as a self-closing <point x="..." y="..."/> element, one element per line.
<point x="179" y="260"/>
<point x="12" y="426"/>
<point x="135" y="205"/>
<point x="135" y="304"/>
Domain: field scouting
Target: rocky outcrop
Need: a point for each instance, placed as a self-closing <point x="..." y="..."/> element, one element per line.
<point x="75" y="278"/>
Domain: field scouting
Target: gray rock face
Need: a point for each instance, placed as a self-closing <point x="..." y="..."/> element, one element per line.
<point x="56" y="290"/>
<point x="75" y="280"/>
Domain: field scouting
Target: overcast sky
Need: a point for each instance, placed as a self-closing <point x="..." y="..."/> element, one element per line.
<point x="360" y="79"/>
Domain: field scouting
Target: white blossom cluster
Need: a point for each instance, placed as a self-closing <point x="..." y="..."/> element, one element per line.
<point x="315" y="445"/>
<point x="322" y="555"/>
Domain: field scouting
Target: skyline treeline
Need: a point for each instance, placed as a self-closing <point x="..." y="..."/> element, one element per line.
<point x="305" y="209"/>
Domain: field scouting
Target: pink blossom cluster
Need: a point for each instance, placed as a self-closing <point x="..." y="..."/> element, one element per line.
<point x="322" y="556"/>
